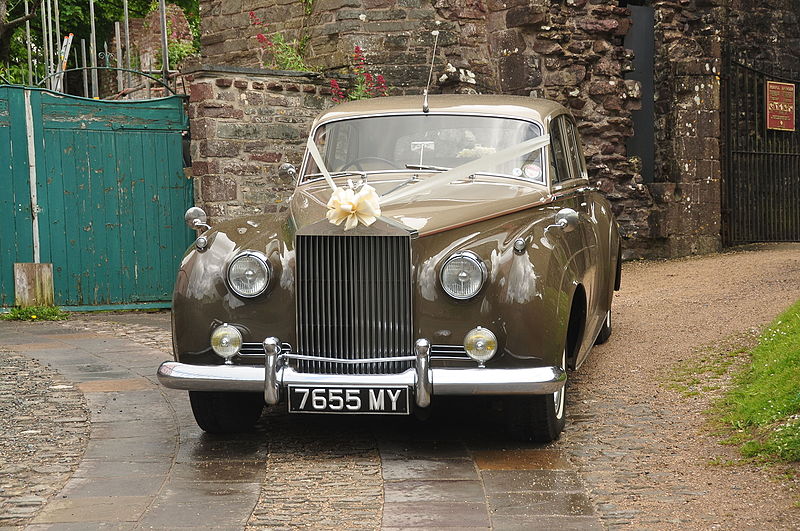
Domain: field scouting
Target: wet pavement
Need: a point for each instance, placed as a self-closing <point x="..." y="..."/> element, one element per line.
<point x="148" y="466"/>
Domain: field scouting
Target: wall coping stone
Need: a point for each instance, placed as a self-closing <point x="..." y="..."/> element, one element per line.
<point x="205" y="69"/>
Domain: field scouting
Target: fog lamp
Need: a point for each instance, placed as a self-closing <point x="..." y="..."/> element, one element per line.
<point x="480" y="344"/>
<point x="226" y="341"/>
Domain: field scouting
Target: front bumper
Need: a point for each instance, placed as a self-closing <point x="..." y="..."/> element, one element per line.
<point x="275" y="376"/>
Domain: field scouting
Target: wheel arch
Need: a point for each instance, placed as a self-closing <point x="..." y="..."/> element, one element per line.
<point x="576" y="325"/>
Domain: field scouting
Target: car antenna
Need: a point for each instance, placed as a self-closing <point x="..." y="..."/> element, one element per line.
<point x="425" y="107"/>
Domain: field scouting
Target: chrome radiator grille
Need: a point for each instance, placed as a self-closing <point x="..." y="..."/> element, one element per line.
<point x="354" y="302"/>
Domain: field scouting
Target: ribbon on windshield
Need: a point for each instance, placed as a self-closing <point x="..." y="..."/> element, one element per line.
<point x="484" y="164"/>
<point x="354" y="205"/>
<point x="351" y="205"/>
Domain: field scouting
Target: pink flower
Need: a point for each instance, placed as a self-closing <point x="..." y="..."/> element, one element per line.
<point x="337" y="92"/>
<point x="380" y="85"/>
<point x="358" y="56"/>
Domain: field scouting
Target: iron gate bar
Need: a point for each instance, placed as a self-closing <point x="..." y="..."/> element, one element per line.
<point x="761" y="167"/>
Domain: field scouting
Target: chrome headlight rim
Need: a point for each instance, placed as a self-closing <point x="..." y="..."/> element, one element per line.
<point x="262" y="259"/>
<point x="473" y="257"/>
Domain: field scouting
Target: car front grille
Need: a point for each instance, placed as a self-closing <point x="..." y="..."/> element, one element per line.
<point x="354" y="302"/>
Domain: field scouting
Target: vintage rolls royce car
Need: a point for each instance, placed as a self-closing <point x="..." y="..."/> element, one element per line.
<point x="451" y="247"/>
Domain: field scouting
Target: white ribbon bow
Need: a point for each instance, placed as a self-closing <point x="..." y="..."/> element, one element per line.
<point x="351" y="207"/>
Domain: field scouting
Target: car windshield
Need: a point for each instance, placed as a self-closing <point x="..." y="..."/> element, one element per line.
<point x="425" y="142"/>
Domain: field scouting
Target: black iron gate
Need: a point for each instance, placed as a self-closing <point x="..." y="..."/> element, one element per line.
<point x="761" y="179"/>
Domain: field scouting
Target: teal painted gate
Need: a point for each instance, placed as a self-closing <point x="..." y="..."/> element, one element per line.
<point x="109" y="195"/>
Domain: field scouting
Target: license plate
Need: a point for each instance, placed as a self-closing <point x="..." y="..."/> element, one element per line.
<point x="350" y="399"/>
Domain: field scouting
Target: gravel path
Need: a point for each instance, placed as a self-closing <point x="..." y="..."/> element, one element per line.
<point x="643" y="448"/>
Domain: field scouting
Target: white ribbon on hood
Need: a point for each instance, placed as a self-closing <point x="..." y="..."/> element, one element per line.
<point x="362" y="205"/>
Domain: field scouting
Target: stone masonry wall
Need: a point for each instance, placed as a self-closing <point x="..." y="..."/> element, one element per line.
<point x="244" y="124"/>
<point x="568" y="50"/>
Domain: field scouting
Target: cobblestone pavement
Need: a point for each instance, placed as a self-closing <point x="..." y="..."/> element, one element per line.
<point x="43" y="431"/>
<point x="148" y="466"/>
<point x="632" y="455"/>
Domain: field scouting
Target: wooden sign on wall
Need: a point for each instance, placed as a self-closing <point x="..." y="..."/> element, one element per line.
<point x="781" y="106"/>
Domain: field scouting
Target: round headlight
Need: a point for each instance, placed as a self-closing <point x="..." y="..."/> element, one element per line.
<point x="480" y="344"/>
<point x="462" y="275"/>
<point x="226" y="341"/>
<point x="249" y="274"/>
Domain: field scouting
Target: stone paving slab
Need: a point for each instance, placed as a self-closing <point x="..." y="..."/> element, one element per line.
<point x="107" y="509"/>
<point x="496" y="481"/>
<point x="395" y="469"/>
<point x="464" y="491"/>
<point x="436" y="514"/>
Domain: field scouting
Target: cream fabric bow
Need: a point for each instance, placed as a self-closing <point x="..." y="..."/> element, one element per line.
<point x="346" y="204"/>
<point x="351" y="207"/>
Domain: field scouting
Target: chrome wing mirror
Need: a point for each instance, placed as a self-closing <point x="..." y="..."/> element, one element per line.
<point x="566" y="220"/>
<point x="287" y="171"/>
<point x="196" y="218"/>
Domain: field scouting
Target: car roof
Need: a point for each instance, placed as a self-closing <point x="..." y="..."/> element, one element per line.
<point x="535" y="109"/>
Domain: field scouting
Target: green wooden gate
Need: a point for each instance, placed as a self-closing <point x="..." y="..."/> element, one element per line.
<point x="107" y="205"/>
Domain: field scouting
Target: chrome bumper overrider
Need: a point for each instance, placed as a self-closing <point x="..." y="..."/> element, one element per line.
<point x="425" y="381"/>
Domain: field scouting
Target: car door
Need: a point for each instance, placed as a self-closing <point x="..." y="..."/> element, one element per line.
<point x="572" y="191"/>
<point x="596" y="254"/>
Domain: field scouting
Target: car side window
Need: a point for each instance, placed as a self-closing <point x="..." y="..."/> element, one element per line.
<point x="573" y="145"/>
<point x="560" y="151"/>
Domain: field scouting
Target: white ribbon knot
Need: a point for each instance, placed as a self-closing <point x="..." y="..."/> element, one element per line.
<point x="351" y="207"/>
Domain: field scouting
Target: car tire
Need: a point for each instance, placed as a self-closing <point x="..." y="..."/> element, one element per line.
<point x="538" y="418"/>
<point x="219" y="412"/>
<point x="605" y="331"/>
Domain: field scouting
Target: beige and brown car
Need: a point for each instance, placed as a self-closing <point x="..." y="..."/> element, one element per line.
<point x="451" y="247"/>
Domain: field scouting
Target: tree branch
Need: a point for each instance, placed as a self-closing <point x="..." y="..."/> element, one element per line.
<point x="17" y="21"/>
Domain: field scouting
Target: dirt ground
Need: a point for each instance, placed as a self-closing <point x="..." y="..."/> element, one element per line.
<point x="645" y="450"/>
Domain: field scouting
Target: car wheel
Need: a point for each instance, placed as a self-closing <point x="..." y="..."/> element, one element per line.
<point x="605" y="332"/>
<point x="218" y="412"/>
<point x="539" y="418"/>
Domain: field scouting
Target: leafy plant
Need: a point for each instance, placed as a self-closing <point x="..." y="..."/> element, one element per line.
<point x="365" y="85"/>
<point x="14" y="74"/>
<point x="764" y="405"/>
<point x="35" y="313"/>
<point x="276" y="52"/>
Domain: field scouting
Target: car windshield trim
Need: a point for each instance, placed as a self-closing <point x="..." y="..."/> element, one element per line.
<point x="538" y="130"/>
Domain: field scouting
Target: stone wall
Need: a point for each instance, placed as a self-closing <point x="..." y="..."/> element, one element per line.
<point x="568" y="50"/>
<point x="244" y="124"/>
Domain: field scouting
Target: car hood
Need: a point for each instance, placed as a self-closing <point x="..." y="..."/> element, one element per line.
<point x="431" y="210"/>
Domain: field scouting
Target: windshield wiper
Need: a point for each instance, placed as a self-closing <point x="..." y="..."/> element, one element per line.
<point x="426" y="167"/>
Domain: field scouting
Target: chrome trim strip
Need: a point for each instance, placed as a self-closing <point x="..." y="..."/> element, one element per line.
<point x="423" y="391"/>
<point x="272" y="387"/>
<point x="345" y="361"/>
<point x="444" y="381"/>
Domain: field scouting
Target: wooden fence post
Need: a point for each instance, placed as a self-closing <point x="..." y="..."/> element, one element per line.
<point x="33" y="284"/>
